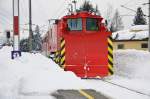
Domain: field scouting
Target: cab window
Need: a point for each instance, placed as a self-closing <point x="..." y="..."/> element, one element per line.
<point x="74" y="24"/>
<point x="91" y="24"/>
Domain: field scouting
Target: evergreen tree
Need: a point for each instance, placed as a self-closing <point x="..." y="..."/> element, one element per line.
<point x="37" y="40"/>
<point x="87" y="6"/>
<point x="139" y="18"/>
<point x="116" y="23"/>
<point x="24" y="45"/>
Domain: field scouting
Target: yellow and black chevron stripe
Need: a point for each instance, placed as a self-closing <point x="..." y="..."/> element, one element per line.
<point x="110" y="56"/>
<point x="62" y="53"/>
<point x="56" y="57"/>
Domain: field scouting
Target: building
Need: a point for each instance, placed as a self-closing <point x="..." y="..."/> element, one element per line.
<point x="134" y="38"/>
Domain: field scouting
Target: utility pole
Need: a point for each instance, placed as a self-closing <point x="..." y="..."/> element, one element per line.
<point x="149" y="25"/>
<point x="149" y="28"/>
<point x="30" y="26"/>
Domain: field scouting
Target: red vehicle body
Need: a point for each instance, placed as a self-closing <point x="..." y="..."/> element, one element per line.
<point x="81" y="43"/>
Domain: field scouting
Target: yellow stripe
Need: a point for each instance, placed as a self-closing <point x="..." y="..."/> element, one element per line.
<point x="63" y="66"/>
<point x="110" y="67"/>
<point x="63" y="51"/>
<point x="57" y="59"/>
<point x="110" y="42"/>
<point x="110" y="58"/>
<point x="110" y="50"/>
<point x="109" y="73"/>
<point x="62" y="43"/>
<point x="56" y="53"/>
<point x="62" y="59"/>
<point x="86" y="94"/>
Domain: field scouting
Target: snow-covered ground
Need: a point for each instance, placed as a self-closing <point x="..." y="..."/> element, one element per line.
<point x="33" y="76"/>
<point x="132" y="69"/>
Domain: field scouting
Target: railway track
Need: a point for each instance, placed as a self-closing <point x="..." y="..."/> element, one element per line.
<point x="121" y="86"/>
<point x="118" y="85"/>
<point x="136" y="91"/>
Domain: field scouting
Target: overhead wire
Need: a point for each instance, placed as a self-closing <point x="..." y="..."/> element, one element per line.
<point x="56" y="13"/>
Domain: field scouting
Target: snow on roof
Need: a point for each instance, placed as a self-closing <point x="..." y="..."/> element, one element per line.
<point x="140" y="32"/>
<point x="139" y="27"/>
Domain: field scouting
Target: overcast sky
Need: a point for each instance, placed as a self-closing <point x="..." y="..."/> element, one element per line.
<point x="42" y="10"/>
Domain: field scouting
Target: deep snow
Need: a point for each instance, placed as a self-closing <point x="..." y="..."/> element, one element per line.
<point x="33" y="76"/>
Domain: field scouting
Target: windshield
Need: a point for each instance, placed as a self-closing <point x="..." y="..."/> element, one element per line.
<point x="91" y="24"/>
<point x="74" y="24"/>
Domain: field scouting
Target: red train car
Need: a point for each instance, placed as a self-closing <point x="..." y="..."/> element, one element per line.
<point x="82" y="44"/>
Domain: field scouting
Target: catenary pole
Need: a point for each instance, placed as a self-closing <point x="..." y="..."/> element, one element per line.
<point x="148" y="25"/>
<point x="30" y="26"/>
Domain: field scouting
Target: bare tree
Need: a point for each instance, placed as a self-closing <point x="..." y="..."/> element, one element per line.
<point x="109" y="15"/>
<point x="116" y="23"/>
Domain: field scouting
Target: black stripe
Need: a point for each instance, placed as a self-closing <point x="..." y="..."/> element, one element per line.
<point x="110" y="46"/>
<point x="56" y="55"/>
<point x="111" y="72"/>
<point x="110" y="38"/>
<point x="111" y="55"/>
<point x="62" y="39"/>
<point x="110" y="62"/>
<point x="63" y="63"/>
<point x="62" y="47"/>
<point x="63" y="55"/>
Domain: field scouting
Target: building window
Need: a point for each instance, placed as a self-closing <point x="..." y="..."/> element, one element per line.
<point x="120" y="46"/>
<point x="144" y="45"/>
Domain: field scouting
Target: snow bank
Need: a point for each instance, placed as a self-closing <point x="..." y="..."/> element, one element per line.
<point x="132" y="63"/>
<point x="32" y="73"/>
<point x="132" y="70"/>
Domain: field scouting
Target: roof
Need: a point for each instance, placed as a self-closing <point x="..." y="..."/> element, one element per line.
<point x="139" y="32"/>
<point x="83" y="14"/>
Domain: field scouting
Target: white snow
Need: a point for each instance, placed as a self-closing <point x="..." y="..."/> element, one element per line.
<point x="34" y="73"/>
<point x="140" y="27"/>
<point x="132" y="69"/>
<point x="33" y="76"/>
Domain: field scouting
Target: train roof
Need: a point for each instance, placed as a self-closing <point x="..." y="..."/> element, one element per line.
<point x="82" y="14"/>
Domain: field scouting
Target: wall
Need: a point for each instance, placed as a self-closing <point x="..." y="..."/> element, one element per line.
<point x="130" y="44"/>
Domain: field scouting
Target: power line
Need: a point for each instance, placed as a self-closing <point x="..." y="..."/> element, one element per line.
<point x="56" y="13"/>
<point x="128" y="2"/>
<point x="132" y="10"/>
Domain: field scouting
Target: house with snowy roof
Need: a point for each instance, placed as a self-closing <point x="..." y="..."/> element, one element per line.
<point x="134" y="38"/>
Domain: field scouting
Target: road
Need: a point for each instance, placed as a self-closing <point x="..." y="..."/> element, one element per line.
<point x="78" y="94"/>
